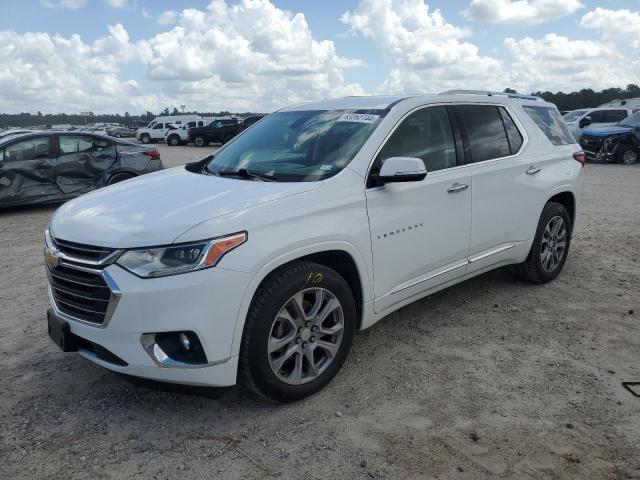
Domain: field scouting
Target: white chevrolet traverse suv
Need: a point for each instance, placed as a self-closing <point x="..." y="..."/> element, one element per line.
<point x="258" y="263"/>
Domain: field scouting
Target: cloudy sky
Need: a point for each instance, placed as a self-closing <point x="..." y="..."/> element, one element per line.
<point x="258" y="55"/>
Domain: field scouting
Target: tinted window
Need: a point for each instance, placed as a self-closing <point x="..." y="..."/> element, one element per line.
<point x="598" y="116"/>
<point x="513" y="134"/>
<point x="27" y="150"/>
<point x="425" y="134"/>
<point x="485" y="131"/>
<point x="616" y="115"/>
<point x="75" y="144"/>
<point x="551" y="124"/>
<point x="158" y="126"/>
<point x="229" y="122"/>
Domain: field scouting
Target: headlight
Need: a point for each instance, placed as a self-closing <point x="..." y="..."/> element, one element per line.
<point x="174" y="259"/>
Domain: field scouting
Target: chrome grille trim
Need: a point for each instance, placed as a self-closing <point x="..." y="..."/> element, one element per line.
<point x="69" y="251"/>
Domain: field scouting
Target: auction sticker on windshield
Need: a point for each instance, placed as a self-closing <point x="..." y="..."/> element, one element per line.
<point x="358" y="117"/>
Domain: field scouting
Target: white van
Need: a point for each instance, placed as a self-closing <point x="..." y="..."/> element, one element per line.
<point x="258" y="265"/>
<point x="158" y="127"/>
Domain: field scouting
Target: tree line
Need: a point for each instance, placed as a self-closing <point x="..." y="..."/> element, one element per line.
<point x="564" y="101"/>
<point x="48" y="119"/>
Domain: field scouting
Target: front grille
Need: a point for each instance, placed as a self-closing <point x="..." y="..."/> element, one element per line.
<point x="82" y="252"/>
<point x="592" y="144"/>
<point x="79" y="293"/>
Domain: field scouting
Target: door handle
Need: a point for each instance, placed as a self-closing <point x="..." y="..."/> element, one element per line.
<point x="533" y="170"/>
<point x="457" y="187"/>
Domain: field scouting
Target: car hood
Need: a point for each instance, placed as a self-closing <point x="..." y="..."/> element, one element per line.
<point x="606" y="131"/>
<point x="156" y="208"/>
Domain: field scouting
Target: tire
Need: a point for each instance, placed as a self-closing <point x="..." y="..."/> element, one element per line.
<point x="265" y="326"/>
<point x="539" y="267"/>
<point x="173" y="140"/>
<point x="627" y="154"/>
<point x="200" y="141"/>
<point x="145" y="138"/>
<point x="120" y="177"/>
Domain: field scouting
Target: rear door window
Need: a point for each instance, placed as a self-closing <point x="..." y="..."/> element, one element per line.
<point x="599" y="116"/>
<point x="550" y="122"/>
<point x="485" y="132"/>
<point x="75" y="144"/>
<point x="615" y="116"/>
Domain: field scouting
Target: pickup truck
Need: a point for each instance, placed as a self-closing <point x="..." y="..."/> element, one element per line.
<point x="612" y="143"/>
<point x="218" y="131"/>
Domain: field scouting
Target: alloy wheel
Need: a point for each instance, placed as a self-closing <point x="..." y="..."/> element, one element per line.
<point x="305" y="336"/>
<point x="629" y="157"/>
<point x="554" y="243"/>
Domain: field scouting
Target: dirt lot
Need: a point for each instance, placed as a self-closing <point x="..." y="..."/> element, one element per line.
<point x="491" y="378"/>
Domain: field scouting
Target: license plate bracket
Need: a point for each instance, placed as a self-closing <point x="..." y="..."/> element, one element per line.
<point x="60" y="333"/>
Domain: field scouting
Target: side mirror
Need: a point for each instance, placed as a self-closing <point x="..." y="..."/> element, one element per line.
<point x="401" y="169"/>
<point x="585" y="122"/>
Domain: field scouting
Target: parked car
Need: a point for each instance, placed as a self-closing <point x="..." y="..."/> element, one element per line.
<point x="218" y="131"/>
<point x="13" y="132"/>
<point x="179" y="134"/>
<point x="258" y="264"/>
<point x="613" y="143"/>
<point x="594" y="116"/>
<point x="44" y="167"/>
<point x="158" y="127"/>
<point x="120" y="132"/>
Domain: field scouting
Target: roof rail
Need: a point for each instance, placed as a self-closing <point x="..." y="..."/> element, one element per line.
<point x="492" y="94"/>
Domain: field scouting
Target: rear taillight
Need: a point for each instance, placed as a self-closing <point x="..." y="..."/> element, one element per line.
<point x="580" y="157"/>
<point x="152" y="153"/>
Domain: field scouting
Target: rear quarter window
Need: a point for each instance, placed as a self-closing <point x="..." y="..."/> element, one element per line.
<point x="550" y="122"/>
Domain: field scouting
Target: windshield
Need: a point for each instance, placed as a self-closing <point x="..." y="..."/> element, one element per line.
<point x="631" y="121"/>
<point x="300" y="146"/>
<point x="573" y="116"/>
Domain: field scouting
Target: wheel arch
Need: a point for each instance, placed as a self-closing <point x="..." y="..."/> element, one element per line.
<point x="568" y="200"/>
<point x="343" y="258"/>
<point x="129" y="171"/>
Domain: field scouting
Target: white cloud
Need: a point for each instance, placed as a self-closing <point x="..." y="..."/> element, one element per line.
<point x="145" y="13"/>
<point x="53" y="73"/>
<point x="122" y="3"/>
<point x="167" y="17"/>
<point x="557" y="63"/>
<point x="521" y="11"/>
<point x="249" y="56"/>
<point x="68" y="4"/>
<point x="429" y="54"/>
<point x="245" y="56"/>
<point x="614" y="25"/>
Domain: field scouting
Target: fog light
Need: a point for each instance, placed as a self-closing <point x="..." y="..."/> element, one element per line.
<point x="185" y="342"/>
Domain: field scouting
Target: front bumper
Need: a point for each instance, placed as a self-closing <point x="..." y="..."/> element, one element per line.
<point x="205" y="302"/>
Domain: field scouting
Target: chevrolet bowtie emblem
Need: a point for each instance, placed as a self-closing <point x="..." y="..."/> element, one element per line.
<point x="51" y="258"/>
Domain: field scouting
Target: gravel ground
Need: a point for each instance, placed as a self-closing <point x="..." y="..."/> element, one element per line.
<point x="490" y="378"/>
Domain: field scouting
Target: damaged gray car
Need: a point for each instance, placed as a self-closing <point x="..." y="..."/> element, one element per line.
<point x="48" y="167"/>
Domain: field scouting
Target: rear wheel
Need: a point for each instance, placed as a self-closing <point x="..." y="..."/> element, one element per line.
<point x="298" y="332"/>
<point x="627" y="154"/>
<point x="145" y="138"/>
<point x="173" y="140"/>
<point x="550" y="246"/>
<point x="200" y="141"/>
<point x="120" y="177"/>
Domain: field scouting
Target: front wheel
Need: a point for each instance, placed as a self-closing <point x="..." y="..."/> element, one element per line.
<point x="145" y="138"/>
<point x="550" y="246"/>
<point x="298" y="332"/>
<point x="173" y="141"/>
<point x="627" y="154"/>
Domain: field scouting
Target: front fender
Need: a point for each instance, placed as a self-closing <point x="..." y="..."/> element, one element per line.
<point x="287" y="257"/>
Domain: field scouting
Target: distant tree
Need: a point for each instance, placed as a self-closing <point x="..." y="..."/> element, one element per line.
<point x="165" y="112"/>
<point x="509" y="90"/>
<point x="175" y="111"/>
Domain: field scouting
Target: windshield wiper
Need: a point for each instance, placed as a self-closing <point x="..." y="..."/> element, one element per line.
<point x="246" y="173"/>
